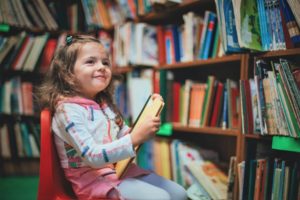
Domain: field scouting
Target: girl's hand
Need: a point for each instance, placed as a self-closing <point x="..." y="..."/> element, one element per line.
<point x="146" y="131"/>
<point x="155" y="95"/>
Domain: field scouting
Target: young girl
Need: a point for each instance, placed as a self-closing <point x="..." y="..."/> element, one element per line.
<point x="89" y="132"/>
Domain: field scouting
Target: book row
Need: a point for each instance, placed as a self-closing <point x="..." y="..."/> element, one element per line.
<point x="190" y="103"/>
<point x="16" y="97"/>
<point x="268" y="178"/>
<point x="109" y="13"/>
<point x="186" y="164"/>
<point x="27" y="13"/>
<point x="19" y="140"/>
<point x="203" y="104"/>
<point x="260" y="25"/>
<point x="143" y="44"/>
<point x="73" y="15"/>
<point x="27" y="52"/>
<point x="270" y="102"/>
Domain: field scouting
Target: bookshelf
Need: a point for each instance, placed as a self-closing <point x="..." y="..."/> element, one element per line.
<point x="281" y="150"/>
<point x="208" y="130"/>
<point x="238" y="66"/>
<point x="22" y="21"/>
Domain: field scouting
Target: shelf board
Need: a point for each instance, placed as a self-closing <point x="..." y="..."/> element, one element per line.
<point x="20" y="72"/>
<point x="12" y="28"/>
<point x="199" y="63"/>
<point x="206" y="130"/>
<point x="121" y="70"/>
<point x="4" y="117"/>
<point x="258" y="136"/>
<point x="287" y="52"/>
<point x="22" y="159"/>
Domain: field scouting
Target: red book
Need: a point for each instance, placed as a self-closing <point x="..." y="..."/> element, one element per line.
<point x="176" y="102"/>
<point x="156" y="81"/>
<point x="161" y="45"/>
<point x="169" y="46"/>
<point x="217" y="105"/>
<point x="235" y="107"/>
<point x="48" y="54"/>
<point x="249" y="106"/>
<point x="27" y="99"/>
<point x="196" y="103"/>
<point x="21" y="51"/>
<point x="296" y="74"/>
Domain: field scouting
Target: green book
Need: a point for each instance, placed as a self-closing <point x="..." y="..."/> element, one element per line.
<point x="292" y="124"/>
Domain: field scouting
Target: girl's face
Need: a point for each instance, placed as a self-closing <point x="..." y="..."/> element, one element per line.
<point x="92" y="69"/>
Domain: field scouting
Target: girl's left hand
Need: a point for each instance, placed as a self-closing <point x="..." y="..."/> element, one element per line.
<point x="155" y="95"/>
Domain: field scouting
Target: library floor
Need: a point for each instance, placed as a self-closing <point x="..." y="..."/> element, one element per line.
<point x="13" y="188"/>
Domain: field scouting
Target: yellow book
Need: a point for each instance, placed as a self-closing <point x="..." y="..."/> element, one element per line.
<point x="153" y="108"/>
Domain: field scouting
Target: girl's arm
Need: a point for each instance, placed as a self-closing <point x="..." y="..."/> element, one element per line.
<point x="125" y="130"/>
<point x="69" y="122"/>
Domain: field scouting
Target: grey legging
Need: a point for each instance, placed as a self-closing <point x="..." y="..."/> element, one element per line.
<point x="150" y="187"/>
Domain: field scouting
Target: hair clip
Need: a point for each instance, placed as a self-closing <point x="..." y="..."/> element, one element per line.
<point x="69" y="39"/>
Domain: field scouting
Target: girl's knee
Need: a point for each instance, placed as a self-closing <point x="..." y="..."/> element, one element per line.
<point x="178" y="192"/>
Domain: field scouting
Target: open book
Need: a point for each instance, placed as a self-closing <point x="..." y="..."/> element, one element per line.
<point x="152" y="107"/>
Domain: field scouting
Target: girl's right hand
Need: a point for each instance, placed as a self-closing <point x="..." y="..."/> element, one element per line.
<point x="146" y="131"/>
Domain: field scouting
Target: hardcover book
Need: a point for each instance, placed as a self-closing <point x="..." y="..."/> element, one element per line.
<point x="152" y="107"/>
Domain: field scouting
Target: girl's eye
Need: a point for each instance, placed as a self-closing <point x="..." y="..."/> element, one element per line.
<point x="90" y="62"/>
<point x="105" y="62"/>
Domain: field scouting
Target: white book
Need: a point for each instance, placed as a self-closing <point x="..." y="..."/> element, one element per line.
<point x="34" y="147"/>
<point x="146" y="45"/>
<point x="187" y="36"/>
<point x="22" y="58"/>
<point x="19" y="141"/>
<point x="6" y="105"/>
<point x="36" y="50"/>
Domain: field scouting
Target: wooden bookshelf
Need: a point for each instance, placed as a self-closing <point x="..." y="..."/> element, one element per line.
<point x="287" y="52"/>
<point x="199" y="63"/>
<point x="10" y="73"/>
<point x="205" y="130"/>
<point x="257" y="137"/>
<point x="237" y="65"/>
<point x="9" y="117"/>
<point x="20" y="167"/>
<point x="121" y="70"/>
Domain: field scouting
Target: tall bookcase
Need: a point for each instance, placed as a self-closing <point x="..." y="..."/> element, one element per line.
<point x="227" y="142"/>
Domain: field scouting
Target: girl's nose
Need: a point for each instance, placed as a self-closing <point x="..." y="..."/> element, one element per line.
<point x="100" y="66"/>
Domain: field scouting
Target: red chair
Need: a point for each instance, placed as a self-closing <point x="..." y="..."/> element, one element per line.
<point x="52" y="183"/>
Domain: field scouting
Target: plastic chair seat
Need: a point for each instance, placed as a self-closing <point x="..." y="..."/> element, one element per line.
<point x="52" y="181"/>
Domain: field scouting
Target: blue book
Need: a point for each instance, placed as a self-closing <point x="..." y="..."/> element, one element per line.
<point x="208" y="41"/>
<point x="252" y="176"/>
<point x="279" y="26"/>
<point x="168" y="50"/>
<point x="269" y="22"/>
<point x="175" y="34"/>
<point x="281" y="182"/>
<point x="231" y="33"/>
<point x="225" y="110"/>
<point x="203" y="34"/>
<point x="25" y="139"/>
<point x="263" y="25"/>
<point x="180" y="43"/>
<point x="291" y="24"/>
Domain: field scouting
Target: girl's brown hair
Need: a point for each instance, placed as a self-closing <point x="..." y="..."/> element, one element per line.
<point x="60" y="80"/>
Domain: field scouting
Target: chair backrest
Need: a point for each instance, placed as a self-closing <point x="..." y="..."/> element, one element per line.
<point x="52" y="182"/>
